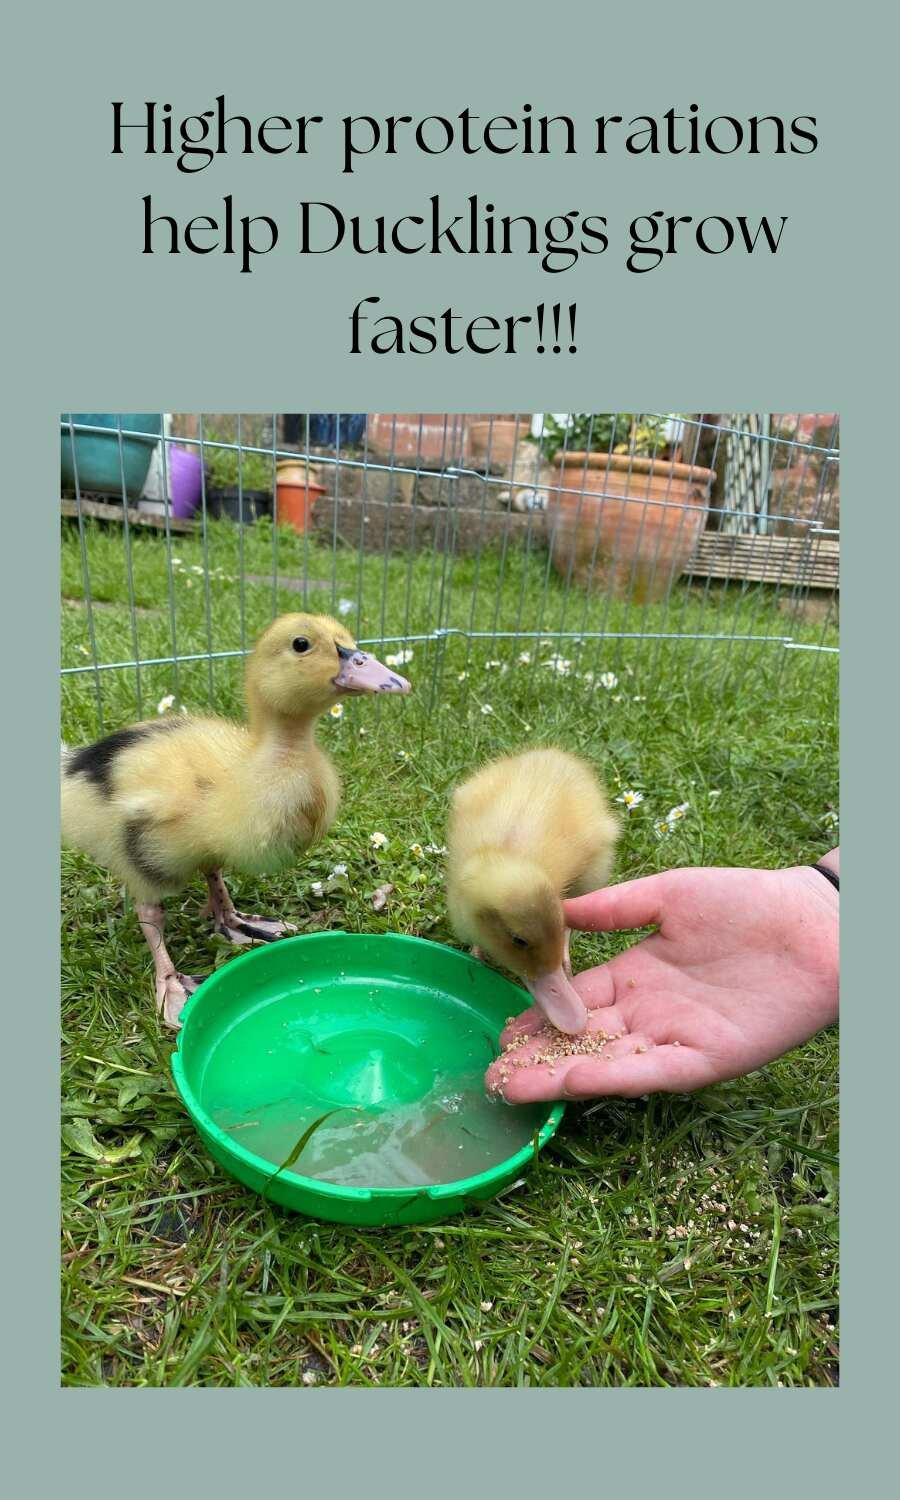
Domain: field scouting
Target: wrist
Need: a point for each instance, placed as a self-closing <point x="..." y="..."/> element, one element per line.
<point x="812" y="908"/>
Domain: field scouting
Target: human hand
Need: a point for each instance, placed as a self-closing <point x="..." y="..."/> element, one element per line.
<point x="743" y="967"/>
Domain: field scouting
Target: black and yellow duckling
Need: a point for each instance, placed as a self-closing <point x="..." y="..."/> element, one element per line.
<point x="159" y="802"/>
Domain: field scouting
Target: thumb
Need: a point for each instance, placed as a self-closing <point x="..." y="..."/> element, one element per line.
<point x="635" y="903"/>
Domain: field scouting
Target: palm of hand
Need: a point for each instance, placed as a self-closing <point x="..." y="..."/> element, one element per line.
<point x="742" y="968"/>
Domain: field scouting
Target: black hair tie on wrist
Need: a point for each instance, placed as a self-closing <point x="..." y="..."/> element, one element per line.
<point x="829" y="875"/>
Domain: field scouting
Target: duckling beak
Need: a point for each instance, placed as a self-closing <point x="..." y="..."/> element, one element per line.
<point x="555" y="995"/>
<point x="362" y="673"/>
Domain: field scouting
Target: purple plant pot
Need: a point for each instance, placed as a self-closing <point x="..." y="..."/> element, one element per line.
<point x="185" y="481"/>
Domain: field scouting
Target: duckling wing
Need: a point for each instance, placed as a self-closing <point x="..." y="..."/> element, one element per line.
<point x="140" y="801"/>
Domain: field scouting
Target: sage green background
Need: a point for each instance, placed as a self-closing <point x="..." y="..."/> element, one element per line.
<point x="93" y="324"/>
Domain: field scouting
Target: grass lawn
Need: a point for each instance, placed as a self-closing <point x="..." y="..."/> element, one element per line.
<point x="665" y="1241"/>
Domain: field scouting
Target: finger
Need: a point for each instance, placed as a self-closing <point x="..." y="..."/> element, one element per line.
<point x="545" y="1081"/>
<point x="676" y="1070"/>
<point x="635" y="903"/>
<point x="596" y="988"/>
<point x="527" y="1072"/>
<point x="527" y="1024"/>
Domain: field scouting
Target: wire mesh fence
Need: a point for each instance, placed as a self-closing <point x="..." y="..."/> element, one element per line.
<point x="583" y="545"/>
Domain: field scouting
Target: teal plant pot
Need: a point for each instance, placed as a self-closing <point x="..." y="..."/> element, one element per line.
<point x="95" y="456"/>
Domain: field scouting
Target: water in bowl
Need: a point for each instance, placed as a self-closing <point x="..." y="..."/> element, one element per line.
<point x="454" y="1131"/>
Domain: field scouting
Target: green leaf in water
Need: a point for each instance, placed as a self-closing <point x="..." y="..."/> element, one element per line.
<point x="302" y="1143"/>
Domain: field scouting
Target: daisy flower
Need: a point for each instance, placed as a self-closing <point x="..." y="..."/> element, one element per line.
<point x="559" y="664"/>
<point x="417" y="850"/>
<point x="338" y="870"/>
<point x="317" y="888"/>
<point x="675" y="814"/>
<point x="587" y="676"/>
<point x="608" y="680"/>
<point x="435" y="849"/>
<point x="490" y="665"/>
<point x="461" y="676"/>
<point x="378" y="840"/>
<point x="337" y="710"/>
<point x="631" y="799"/>
<point x="831" y="819"/>
<point x="165" y="703"/>
<point x="486" y="708"/>
<point x="662" y="827"/>
<point x="398" y="659"/>
<point x="345" y="606"/>
<point x="524" y="658"/>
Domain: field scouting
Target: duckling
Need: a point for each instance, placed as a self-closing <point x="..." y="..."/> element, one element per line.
<point x="160" y="801"/>
<point x="524" y="832"/>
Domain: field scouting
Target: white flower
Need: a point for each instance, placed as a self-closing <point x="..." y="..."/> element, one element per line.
<point x="661" y="827"/>
<point x="559" y="664"/>
<point x="345" y="606"/>
<point x="399" y="659"/>
<point x="337" y="710"/>
<point x="640" y="699"/>
<point x="417" y="850"/>
<point x="616" y="698"/>
<point x="184" y="708"/>
<point x="486" y="708"/>
<point x="715" y="793"/>
<point x="461" y="676"/>
<point x="524" y="658"/>
<point x="675" y="814"/>
<point x="176" y="562"/>
<point x="631" y="799"/>
<point x="363" y="730"/>
<point x="378" y="840"/>
<point x="608" y="680"/>
<point x="490" y="665"/>
<point x="587" y="676"/>
<point x="831" y="819"/>
<point x="435" y="849"/>
<point x="196" y="568"/>
<point x="338" y="870"/>
<point x="403" y="755"/>
<point x="317" y="888"/>
<point x="165" y="703"/>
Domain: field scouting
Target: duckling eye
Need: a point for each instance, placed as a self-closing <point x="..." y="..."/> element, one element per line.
<point x="300" y="644"/>
<point x="519" y="941"/>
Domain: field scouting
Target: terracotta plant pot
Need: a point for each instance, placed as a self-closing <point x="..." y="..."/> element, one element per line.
<point x="625" y="524"/>
<point x="496" y="441"/>
<point x="296" y="493"/>
<point x="416" y="439"/>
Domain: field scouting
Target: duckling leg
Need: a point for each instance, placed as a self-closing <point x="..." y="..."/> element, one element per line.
<point x="235" y="925"/>
<point x="172" y="988"/>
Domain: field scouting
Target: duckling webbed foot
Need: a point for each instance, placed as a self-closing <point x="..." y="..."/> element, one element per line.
<point x="172" y="992"/>
<point x="172" y="988"/>
<point x="237" y="926"/>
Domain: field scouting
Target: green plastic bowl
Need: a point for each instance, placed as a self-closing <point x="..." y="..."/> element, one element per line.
<point x="240" y="1029"/>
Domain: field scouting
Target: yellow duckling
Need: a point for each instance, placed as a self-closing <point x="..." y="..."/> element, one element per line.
<point x="524" y="832"/>
<point x="160" y="801"/>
